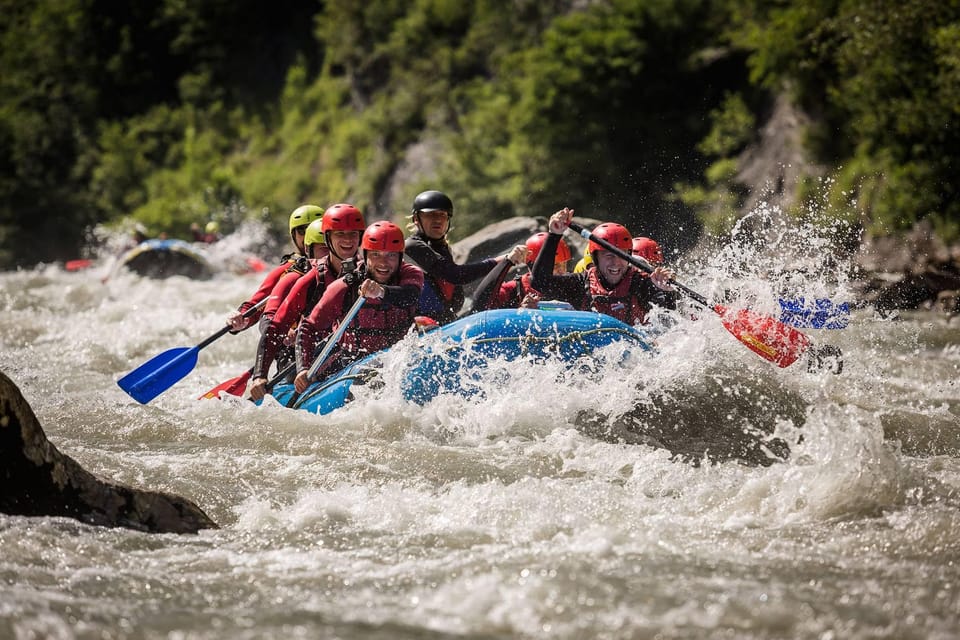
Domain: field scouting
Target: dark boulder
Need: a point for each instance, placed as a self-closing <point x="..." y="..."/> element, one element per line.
<point x="913" y="271"/>
<point x="37" y="480"/>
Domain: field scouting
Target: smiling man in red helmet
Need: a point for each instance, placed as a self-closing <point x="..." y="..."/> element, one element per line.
<point x="391" y="288"/>
<point x="610" y="285"/>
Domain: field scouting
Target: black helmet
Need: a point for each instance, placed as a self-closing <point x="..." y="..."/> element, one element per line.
<point x="433" y="201"/>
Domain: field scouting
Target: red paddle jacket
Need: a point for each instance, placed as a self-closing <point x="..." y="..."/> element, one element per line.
<point x="302" y="295"/>
<point x="379" y="324"/>
<point x="291" y="262"/>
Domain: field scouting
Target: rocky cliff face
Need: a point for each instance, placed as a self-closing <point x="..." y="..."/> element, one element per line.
<point x="38" y="480"/>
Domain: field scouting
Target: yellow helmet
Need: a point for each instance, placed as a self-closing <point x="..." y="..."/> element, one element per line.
<point x="304" y="215"/>
<point x="585" y="262"/>
<point x="212" y="227"/>
<point x="314" y="235"/>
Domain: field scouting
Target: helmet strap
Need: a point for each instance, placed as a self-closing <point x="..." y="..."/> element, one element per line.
<point x="328" y="239"/>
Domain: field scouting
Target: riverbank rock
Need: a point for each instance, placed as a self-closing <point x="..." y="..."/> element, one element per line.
<point x="38" y="480"/>
<point x="496" y="238"/>
<point x="914" y="271"/>
<point x="499" y="237"/>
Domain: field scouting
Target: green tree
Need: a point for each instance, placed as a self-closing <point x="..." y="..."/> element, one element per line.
<point x="599" y="113"/>
<point x="882" y="77"/>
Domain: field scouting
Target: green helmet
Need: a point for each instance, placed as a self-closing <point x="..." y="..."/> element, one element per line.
<point x="304" y="215"/>
<point x="314" y="235"/>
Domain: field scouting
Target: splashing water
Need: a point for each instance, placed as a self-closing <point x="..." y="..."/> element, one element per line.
<point x="693" y="492"/>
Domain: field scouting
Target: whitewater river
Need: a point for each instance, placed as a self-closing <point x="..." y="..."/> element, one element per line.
<point x="644" y="501"/>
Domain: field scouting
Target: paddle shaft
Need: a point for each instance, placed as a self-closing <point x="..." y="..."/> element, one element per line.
<point x="335" y="338"/>
<point x="329" y="346"/>
<point x="164" y="370"/>
<point x="487" y="288"/>
<point x="283" y="373"/>
<point x="226" y="329"/>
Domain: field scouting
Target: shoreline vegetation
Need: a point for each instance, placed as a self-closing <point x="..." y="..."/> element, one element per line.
<point x="675" y="119"/>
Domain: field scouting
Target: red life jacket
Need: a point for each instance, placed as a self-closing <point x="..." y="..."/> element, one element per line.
<point x="622" y="302"/>
<point x="521" y="287"/>
<point x="377" y="326"/>
<point x="445" y="289"/>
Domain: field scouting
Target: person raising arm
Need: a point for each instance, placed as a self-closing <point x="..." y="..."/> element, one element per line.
<point x="518" y="291"/>
<point x="608" y="286"/>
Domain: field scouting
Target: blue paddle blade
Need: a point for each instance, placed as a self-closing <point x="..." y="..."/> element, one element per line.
<point x="819" y="313"/>
<point x="158" y="374"/>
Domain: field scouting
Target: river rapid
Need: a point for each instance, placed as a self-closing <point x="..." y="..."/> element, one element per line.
<point x="646" y="500"/>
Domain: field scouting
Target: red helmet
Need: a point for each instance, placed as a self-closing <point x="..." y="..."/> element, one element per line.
<point x="648" y="249"/>
<point x="382" y="236"/>
<point x="535" y="243"/>
<point x="343" y="217"/>
<point x="615" y="234"/>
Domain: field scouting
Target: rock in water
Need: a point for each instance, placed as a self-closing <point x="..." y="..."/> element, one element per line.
<point x="37" y="480"/>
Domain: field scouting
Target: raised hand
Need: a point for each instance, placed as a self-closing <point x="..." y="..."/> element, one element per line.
<point x="560" y="220"/>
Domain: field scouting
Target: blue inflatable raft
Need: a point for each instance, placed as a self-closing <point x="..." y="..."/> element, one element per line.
<point x="454" y="355"/>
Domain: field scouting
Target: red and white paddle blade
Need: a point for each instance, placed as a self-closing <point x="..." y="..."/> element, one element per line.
<point x="235" y="387"/>
<point x="765" y="336"/>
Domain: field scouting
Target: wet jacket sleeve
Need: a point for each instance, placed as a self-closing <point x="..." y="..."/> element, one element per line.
<point x="651" y="294"/>
<point x="265" y="287"/>
<point x="406" y="293"/>
<point x="286" y="315"/>
<point x="262" y="292"/>
<point x="270" y="343"/>
<point x="441" y="265"/>
<point x="568" y="287"/>
<point x="279" y="292"/>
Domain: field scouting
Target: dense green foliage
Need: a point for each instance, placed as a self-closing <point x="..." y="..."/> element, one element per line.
<point x="884" y="80"/>
<point x="636" y="110"/>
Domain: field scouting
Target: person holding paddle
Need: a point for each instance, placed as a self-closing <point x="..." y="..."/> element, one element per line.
<point x="610" y="285"/>
<point x="314" y="248"/>
<point x="391" y="289"/>
<point x="443" y="296"/>
<point x="300" y="219"/>
<point x="339" y="233"/>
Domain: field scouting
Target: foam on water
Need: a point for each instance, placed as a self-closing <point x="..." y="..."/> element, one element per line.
<point x="692" y="492"/>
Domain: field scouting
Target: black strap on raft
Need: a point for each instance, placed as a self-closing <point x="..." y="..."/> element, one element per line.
<point x="316" y="289"/>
